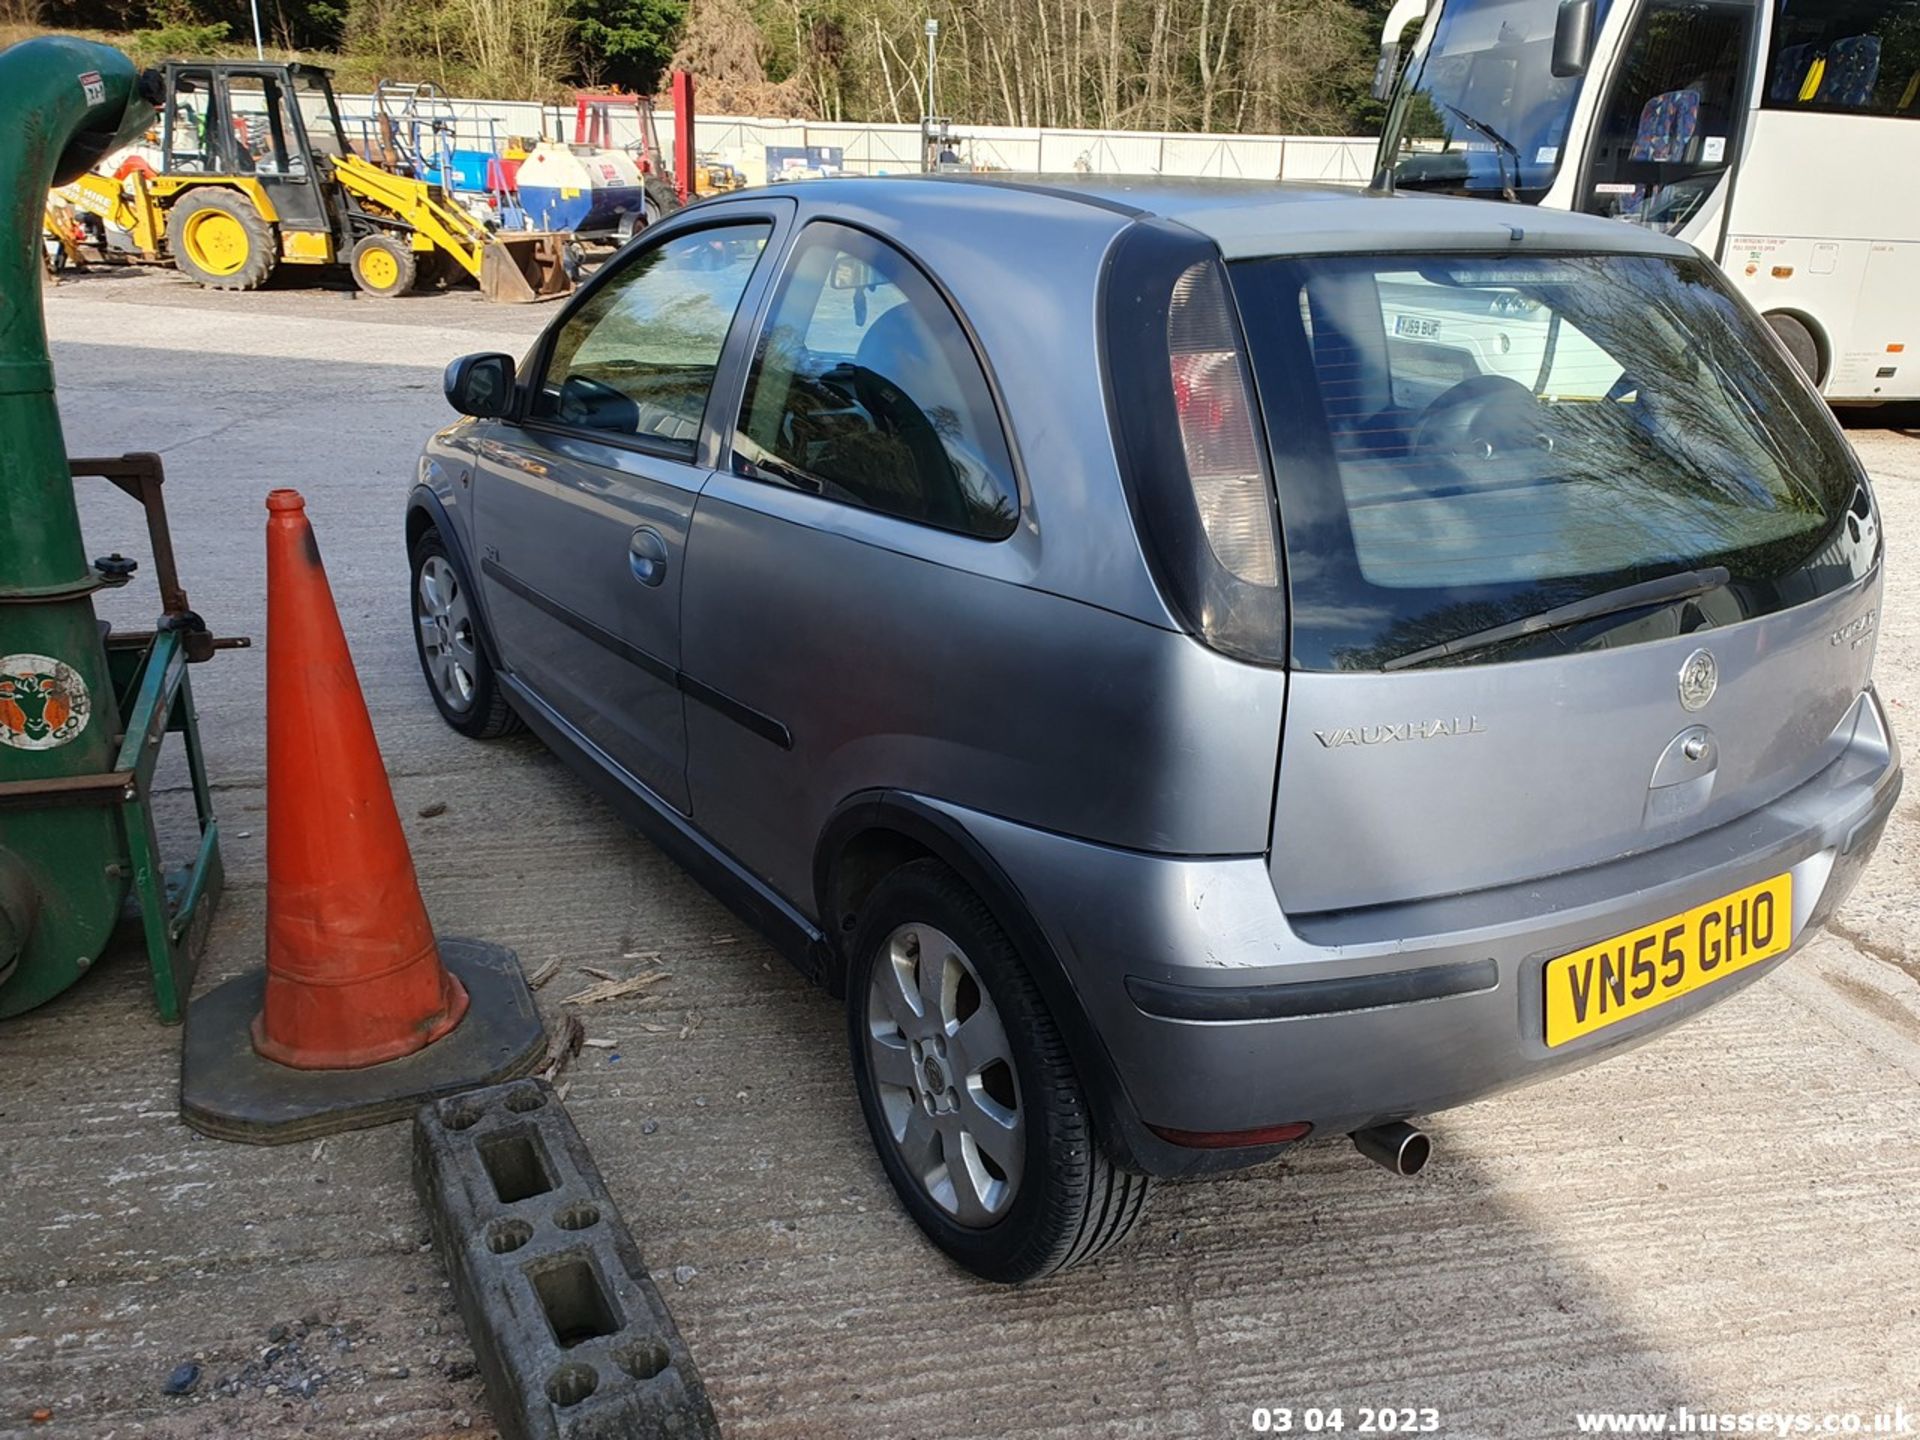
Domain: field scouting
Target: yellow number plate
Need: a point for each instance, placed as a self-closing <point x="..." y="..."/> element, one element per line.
<point x="1630" y="974"/>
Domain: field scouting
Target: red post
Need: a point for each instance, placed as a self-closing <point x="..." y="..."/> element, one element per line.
<point x="683" y="134"/>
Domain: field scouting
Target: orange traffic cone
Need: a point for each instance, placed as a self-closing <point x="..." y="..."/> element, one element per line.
<point x="362" y="1013"/>
<point x="353" y="974"/>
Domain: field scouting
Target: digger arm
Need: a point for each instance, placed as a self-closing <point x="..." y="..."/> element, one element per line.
<point x="515" y="268"/>
<point x="56" y="220"/>
<point x="124" y="204"/>
<point x="448" y="226"/>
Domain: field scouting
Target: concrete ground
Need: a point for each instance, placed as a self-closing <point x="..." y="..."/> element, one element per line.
<point x="1724" y="1219"/>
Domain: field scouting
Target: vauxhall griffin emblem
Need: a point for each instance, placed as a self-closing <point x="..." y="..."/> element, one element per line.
<point x="1699" y="678"/>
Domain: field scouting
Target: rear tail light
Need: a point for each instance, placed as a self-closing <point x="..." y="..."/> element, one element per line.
<point x="1214" y="405"/>
<point x="1190" y="438"/>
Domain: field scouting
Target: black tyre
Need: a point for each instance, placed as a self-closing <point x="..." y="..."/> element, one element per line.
<point x="437" y="270"/>
<point x="219" y="240"/>
<point x="968" y="1091"/>
<point x="383" y="266"/>
<point x="659" y="198"/>
<point x="446" y="636"/>
<point x="1800" y="343"/>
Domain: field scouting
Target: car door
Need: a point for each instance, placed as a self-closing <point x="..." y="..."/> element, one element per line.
<point x="870" y="481"/>
<point x="581" y="507"/>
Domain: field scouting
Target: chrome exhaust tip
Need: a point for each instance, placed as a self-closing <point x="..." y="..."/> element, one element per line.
<point x="1398" y="1146"/>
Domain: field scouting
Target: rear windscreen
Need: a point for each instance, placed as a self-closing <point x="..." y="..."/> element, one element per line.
<point x="1462" y="443"/>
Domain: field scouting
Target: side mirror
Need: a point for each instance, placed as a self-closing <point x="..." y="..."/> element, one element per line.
<point x="1572" y="38"/>
<point x="481" y="385"/>
<point x="1386" y="71"/>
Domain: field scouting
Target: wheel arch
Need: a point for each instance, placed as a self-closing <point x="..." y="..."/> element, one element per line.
<point x="425" y="512"/>
<point x="873" y="833"/>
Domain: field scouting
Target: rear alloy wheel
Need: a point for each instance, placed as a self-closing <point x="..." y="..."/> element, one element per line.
<point x="968" y="1091"/>
<point x="219" y="240"/>
<point x="383" y="266"/>
<point x="447" y="637"/>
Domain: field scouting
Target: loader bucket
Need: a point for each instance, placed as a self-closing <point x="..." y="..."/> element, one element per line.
<point x="517" y="269"/>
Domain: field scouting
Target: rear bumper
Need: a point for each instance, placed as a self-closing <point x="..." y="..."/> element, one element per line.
<point x="1220" y="1013"/>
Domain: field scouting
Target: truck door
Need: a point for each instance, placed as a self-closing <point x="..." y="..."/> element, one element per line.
<point x="269" y="143"/>
<point x="1668" y="134"/>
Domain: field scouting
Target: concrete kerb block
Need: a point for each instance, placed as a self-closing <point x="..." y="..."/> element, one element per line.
<point x="568" y="1329"/>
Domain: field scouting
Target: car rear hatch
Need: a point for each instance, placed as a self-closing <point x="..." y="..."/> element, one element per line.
<point x="1575" y="565"/>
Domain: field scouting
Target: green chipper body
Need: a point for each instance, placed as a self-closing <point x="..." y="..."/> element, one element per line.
<point x="82" y="712"/>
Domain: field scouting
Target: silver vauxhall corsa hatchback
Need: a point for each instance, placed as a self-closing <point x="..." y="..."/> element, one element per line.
<point x="1195" y="666"/>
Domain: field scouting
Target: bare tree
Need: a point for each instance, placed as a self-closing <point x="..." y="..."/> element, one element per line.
<point x="1297" y="66"/>
<point x="1290" y="65"/>
<point x="516" y="47"/>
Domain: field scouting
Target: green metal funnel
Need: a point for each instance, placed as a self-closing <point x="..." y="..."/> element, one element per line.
<point x="63" y="878"/>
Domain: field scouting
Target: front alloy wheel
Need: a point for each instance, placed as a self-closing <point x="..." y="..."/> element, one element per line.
<point x="452" y="657"/>
<point x="446" y="633"/>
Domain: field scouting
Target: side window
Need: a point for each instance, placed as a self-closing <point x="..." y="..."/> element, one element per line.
<point x="865" y="390"/>
<point x="637" y="359"/>
<point x="264" y="136"/>
<point x="1855" y="56"/>
<point x="191" y="144"/>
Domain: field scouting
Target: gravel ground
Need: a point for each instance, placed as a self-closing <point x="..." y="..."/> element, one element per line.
<point x="1723" y="1220"/>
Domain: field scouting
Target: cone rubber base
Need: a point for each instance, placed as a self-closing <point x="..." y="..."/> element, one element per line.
<point x="229" y="1092"/>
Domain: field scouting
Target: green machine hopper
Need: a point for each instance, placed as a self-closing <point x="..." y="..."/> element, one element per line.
<point x="83" y="711"/>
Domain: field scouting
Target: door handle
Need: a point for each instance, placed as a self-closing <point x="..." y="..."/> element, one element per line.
<point x="647" y="555"/>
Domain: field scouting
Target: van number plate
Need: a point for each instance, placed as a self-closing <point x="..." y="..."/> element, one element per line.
<point x="1630" y="974"/>
<point x="1413" y="325"/>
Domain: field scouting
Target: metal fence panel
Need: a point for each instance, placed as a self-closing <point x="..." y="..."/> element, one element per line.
<point x="743" y="140"/>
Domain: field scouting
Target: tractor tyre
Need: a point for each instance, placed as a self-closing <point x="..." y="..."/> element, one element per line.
<point x="383" y="266"/>
<point x="220" y="241"/>
<point x="659" y="198"/>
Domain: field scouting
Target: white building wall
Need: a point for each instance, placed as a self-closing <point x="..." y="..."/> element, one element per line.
<point x="880" y="149"/>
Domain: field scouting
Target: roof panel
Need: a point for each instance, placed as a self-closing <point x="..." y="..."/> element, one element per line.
<point x="1250" y="218"/>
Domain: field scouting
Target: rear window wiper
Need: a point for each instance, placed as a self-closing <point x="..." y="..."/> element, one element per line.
<point x="1647" y="593"/>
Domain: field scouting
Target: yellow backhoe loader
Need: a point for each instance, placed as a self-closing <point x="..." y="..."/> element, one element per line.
<point x="251" y="170"/>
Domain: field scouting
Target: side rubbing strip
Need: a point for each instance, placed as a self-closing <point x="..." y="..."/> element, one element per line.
<point x="1311" y="997"/>
<point x="745" y="716"/>
<point x="574" y="620"/>
<point x="765" y="726"/>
